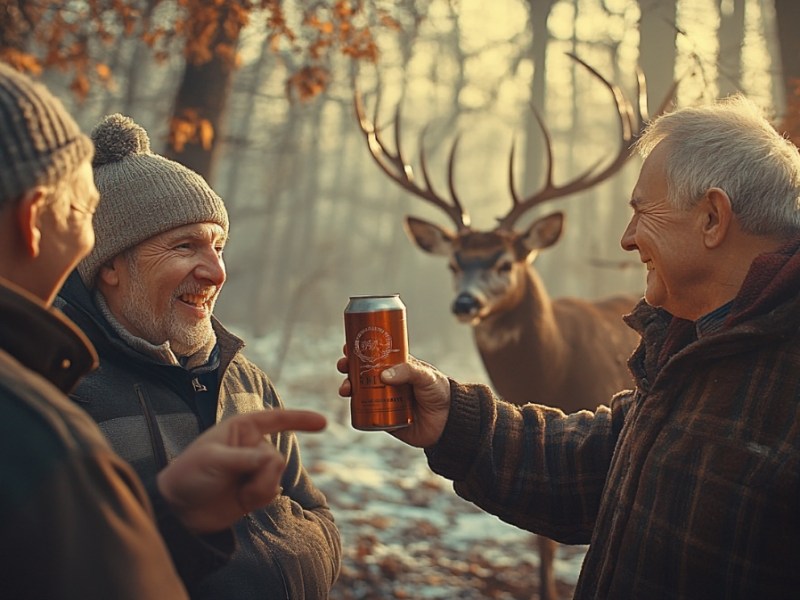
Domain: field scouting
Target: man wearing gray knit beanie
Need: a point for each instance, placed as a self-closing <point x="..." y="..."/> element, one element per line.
<point x="76" y="520"/>
<point x="168" y="368"/>
<point x="143" y="194"/>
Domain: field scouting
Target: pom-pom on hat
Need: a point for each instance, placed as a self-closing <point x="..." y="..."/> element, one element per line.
<point x="40" y="143"/>
<point x="142" y="194"/>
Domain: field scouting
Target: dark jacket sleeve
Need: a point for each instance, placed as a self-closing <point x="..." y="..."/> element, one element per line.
<point x="532" y="466"/>
<point x="194" y="556"/>
<point x="76" y="522"/>
<point x="308" y="520"/>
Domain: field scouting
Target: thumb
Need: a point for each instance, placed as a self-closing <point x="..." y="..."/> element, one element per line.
<point x="414" y="372"/>
<point x="417" y="373"/>
<point x="397" y="374"/>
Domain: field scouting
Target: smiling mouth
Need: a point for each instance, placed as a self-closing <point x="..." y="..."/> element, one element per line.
<point x="196" y="300"/>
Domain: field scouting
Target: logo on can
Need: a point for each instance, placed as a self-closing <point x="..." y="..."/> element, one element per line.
<point x="376" y="338"/>
<point x="373" y="344"/>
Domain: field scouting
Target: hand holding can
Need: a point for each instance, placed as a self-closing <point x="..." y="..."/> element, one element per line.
<point x="377" y="338"/>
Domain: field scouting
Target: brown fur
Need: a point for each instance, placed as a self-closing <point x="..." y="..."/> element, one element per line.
<point x="568" y="353"/>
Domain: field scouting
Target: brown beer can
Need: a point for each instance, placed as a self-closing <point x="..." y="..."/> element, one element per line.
<point x="377" y="338"/>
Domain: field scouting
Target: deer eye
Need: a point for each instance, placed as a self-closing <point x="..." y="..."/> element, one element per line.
<point x="504" y="267"/>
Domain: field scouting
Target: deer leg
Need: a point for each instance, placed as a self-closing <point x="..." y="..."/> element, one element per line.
<point x="547" y="553"/>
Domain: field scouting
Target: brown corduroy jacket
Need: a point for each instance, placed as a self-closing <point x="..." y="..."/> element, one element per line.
<point x="75" y="522"/>
<point x="686" y="487"/>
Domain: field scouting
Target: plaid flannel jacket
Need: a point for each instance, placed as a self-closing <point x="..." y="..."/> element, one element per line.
<point x="687" y="486"/>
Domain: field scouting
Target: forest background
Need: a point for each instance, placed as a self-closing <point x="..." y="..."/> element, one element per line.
<point x="258" y="96"/>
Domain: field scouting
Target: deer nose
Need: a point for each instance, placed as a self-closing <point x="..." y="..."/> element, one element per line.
<point x="465" y="304"/>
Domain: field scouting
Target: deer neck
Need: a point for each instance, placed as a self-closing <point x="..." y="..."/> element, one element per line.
<point x="525" y="336"/>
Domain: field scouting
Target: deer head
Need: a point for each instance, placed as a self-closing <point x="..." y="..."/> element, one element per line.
<point x="491" y="268"/>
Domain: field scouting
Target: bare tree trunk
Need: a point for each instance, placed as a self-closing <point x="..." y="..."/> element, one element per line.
<point x="242" y="130"/>
<point x="731" y="38"/>
<point x="279" y="182"/>
<point x="657" y="48"/>
<point x="202" y="97"/>
<point x="532" y="168"/>
<point x="787" y="18"/>
<point x="140" y="60"/>
<point x="539" y="12"/>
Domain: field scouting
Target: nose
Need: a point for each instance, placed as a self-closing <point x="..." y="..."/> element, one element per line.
<point x="465" y="304"/>
<point x="627" y="242"/>
<point x="211" y="268"/>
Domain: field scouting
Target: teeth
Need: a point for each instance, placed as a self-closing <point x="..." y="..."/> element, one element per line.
<point x="195" y="299"/>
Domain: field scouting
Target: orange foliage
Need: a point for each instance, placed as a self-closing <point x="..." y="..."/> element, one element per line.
<point x="62" y="34"/>
<point x="40" y="34"/>
<point x="190" y="128"/>
<point x="308" y="82"/>
<point x="68" y="36"/>
<point x="22" y="61"/>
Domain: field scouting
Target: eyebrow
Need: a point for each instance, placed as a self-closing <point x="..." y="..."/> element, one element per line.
<point x="199" y="235"/>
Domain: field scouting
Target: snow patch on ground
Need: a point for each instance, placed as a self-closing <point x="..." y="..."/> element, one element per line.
<point x="405" y="533"/>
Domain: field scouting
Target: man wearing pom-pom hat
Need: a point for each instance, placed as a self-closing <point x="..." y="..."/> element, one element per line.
<point x="75" y="521"/>
<point x="169" y="370"/>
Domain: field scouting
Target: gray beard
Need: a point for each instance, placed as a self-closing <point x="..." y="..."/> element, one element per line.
<point x="160" y="328"/>
<point x="157" y="329"/>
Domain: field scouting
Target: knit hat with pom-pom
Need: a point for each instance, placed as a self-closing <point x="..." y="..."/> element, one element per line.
<point x="142" y="194"/>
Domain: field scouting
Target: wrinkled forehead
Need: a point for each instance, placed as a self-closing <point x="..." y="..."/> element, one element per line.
<point x="199" y="232"/>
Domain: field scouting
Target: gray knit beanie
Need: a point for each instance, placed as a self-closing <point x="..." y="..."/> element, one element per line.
<point x="142" y="194"/>
<point x="40" y="143"/>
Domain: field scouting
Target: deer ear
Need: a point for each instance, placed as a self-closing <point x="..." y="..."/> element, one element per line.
<point x="429" y="237"/>
<point x="543" y="232"/>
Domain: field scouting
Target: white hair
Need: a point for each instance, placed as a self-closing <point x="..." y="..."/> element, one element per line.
<point x="732" y="146"/>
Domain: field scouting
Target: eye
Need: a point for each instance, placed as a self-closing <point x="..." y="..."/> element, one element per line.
<point x="505" y="266"/>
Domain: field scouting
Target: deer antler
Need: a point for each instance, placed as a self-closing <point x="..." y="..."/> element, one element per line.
<point x="394" y="165"/>
<point x="631" y="126"/>
<point x="401" y="172"/>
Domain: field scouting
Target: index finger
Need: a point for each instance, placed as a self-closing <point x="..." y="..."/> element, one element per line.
<point x="283" y="419"/>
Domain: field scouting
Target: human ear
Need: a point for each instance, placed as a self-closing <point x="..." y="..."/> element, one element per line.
<point x="28" y="210"/>
<point x="109" y="273"/>
<point x="717" y="216"/>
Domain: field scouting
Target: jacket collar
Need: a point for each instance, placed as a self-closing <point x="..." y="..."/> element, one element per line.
<point x="771" y="282"/>
<point x="43" y="339"/>
<point x="768" y="303"/>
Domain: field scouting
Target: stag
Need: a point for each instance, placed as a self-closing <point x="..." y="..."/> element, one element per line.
<point x="568" y="352"/>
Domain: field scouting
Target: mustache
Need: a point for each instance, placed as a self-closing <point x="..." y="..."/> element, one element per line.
<point x="210" y="291"/>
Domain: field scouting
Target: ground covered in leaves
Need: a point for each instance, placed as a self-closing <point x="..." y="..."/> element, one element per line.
<point x="405" y="533"/>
